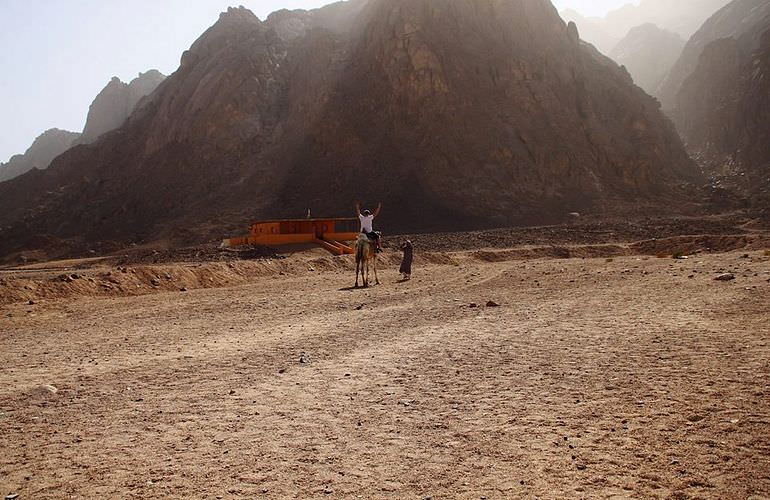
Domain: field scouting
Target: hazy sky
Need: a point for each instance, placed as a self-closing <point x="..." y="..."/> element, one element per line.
<point x="56" y="55"/>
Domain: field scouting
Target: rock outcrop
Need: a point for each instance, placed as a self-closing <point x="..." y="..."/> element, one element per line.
<point x="455" y="114"/>
<point x="648" y="53"/>
<point x="116" y="102"/>
<point x="740" y="20"/>
<point x="46" y="147"/>
<point x="592" y="30"/>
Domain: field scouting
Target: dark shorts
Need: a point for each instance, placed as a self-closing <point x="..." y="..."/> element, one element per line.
<point x="374" y="236"/>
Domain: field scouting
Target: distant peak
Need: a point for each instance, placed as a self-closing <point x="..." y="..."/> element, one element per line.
<point x="647" y="27"/>
<point x="152" y="75"/>
<point x="151" y="72"/>
<point x="232" y="23"/>
<point x="237" y="13"/>
<point x="57" y="131"/>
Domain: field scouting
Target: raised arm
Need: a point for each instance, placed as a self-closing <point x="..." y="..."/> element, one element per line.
<point x="377" y="212"/>
<point x="358" y="208"/>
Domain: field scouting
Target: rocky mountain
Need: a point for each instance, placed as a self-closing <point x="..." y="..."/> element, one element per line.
<point x="682" y="17"/>
<point x="740" y="20"/>
<point x="46" y="147"/>
<point x="722" y="109"/>
<point x="116" y="102"/>
<point x="648" y="53"/>
<point x="455" y="114"/>
<point x="110" y="110"/>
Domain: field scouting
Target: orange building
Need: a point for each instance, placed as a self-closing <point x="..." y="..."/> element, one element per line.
<point x="327" y="233"/>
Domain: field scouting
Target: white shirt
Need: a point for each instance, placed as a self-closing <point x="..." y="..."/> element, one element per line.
<point x="367" y="222"/>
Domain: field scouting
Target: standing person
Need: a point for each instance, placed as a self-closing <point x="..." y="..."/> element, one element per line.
<point x="367" y="224"/>
<point x="406" y="262"/>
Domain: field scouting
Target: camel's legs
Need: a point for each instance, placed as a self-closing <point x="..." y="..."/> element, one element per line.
<point x="359" y="261"/>
<point x="374" y="265"/>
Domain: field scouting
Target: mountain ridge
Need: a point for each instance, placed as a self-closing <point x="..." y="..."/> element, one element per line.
<point x="461" y="114"/>
<point x="109" y="110"/>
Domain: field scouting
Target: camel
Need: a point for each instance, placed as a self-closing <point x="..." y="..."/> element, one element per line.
<point x="365" y="256"/>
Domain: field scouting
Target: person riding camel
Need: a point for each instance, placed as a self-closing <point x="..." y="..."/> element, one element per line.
<point x="367" y="224"/>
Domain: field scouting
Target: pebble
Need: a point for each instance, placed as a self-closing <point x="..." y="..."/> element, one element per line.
<point x="492" y="303"/>
<point x="725" y="277"/>
<point x="47" y="389"/>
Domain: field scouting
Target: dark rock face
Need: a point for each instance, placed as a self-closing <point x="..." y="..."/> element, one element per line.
<point x="488" y="111"/>
<point x="740" y="19"/>
<point x="46" y="147"/>
<point x="723" y="112"/>
<point x="456" y="114"/>
<point x="648" y="52"/>
<point x="116" y="102"/>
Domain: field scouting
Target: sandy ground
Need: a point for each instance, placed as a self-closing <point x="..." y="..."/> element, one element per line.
<point x="633" y="377"/>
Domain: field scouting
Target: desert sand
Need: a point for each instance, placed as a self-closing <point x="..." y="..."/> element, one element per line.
<point x="631" y="376"/>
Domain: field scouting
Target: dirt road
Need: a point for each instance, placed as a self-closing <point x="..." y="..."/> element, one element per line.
<point x="636" y="377"/>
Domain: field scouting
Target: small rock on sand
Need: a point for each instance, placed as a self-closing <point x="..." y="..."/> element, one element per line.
<point x="45" y="390"/>
<point x="492" y="303"/>
<point x="725" y="277"/>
